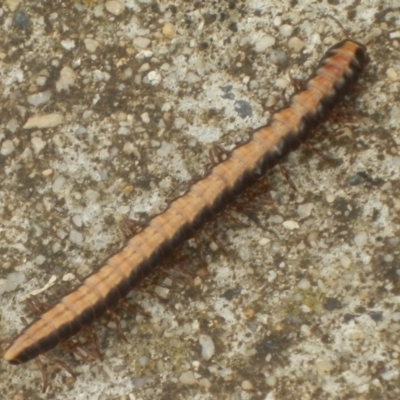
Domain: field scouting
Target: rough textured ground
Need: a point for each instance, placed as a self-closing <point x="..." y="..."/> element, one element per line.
<point x="306" y="302"/>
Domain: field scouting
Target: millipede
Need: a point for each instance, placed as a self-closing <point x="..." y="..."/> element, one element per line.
<point x="268" y="145"/>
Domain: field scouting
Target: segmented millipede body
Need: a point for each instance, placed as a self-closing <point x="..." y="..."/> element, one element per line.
<point x="268" y="145"/>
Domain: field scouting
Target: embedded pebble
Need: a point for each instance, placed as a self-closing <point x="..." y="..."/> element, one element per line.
<point x="91" y="45"/>
<point x="44" y="121"/>
<point x="247" y="385"/>
<point x="115" y="7"/>
<point x="7" y="148"/>
<point x="361" y="239"/>
<point x="145" y="117"/>
<point x="264" y="43"/>
<point x="38" y="144"/>
<point x="12" y="281"/>
<point x="38" y="99"/>
<point x="291" y="225"/>
<point x="141" y="42"/>
<point x="68" y="44"/>
<point x="324" y="366"/>
<point x="345" y="261"/>
<point x="168" y="30"/>
<point x="66" y="80"/>
<point x="304" y="284"/>
<point x="392" y="74"/>
<point x="286" y="30"/>
<point x="278" y="57"/>
<point x="92" y="195"/>
<point x="153" y="78"/>
<point x="21" y="20"/>
<point x="12" y="125"/>
<point x="75" y="237"/>
<point x="187" y="378"/>
<point x="207" y="347"/>
<point x="58" y="184"/>
<point x="304" y="210"/>
<point x="296" y="44"/>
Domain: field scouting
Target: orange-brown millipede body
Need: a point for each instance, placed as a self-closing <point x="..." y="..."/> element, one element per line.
<point x="287" y="129"/>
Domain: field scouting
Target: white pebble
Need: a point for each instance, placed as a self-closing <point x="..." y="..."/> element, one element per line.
<point x="207" y="347"/>
<point x="304" y="210"/>
<point x="361" y="239"/>
<point x="91" y="45"/>
<point x="153" y="78"/>
<point x="66" y="80"/>
<point x="75" y="237"/>
<point x="168" y="30"/>
<point x="247" y="385"/>
<point x="38" y="99"/>
<point x="145" y="118"/>
<point x="58" y="184"/>
<point x="14" y="279"/>
<point x="324" y="366"/>
<point x="38" y="144"/>
<point x="92" y="195"/>
<point x="286" y="30"/>
<point x="304" y="284"/>
<point x="345" y="261"/>
<point x="12" y="125"/>
<point x="68" y="44"/>
<point x="291" y="225"/>
<point x="115" y="7"/>
<point x="296" y="44"/>
<point x="141" y="42"/>
<point x="44" y="121"/>
<point x="7" y="148"/>
<point x="264" y="43"/>
<point x="392" y="74"/>
<point x="187" y="378"/>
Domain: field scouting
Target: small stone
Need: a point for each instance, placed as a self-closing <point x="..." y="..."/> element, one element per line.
<point x="68" y="44"/>
<point x="141" y="42"/>
<point x="207" y="347"/>
<point x="7" y="148"/>
<point x="361" y="239"/>
<point x="168" y="30"/>
<point x="291" y="225"/>
<point x="247" y="385"/>
<point x="38" y="99"/>
<point x="145" y="118"/>
<point x="12" y="125"/>
<point x="153" y="78"/>
<point x="392" y="74"/>
<point x="278" y="57"/>
<point x="58" y="184"/>
<point x="286" y="30"/>
<point x="324" y="366"/>
<point x="304" y="210"/>
<point x="12" y="4"/>
<point x="187" y="378"/>
<point x="38" y="144"/>
<point x="264" y="43"/>
<point x="44" y="121"/>
<point x="13" y="280"/>
<point x="91" y="45"/>
<point x="304" y="284"/>
<point x="296" y="44"/>
<point x="115" y="7"/>
<point x="75" y="237"/>
<point x="66" y="80"/>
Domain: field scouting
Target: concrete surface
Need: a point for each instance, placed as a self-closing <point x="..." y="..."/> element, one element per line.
<point x="306" y="302"/>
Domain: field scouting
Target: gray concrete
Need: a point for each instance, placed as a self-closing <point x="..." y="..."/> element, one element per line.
<point x="138" y="92"/>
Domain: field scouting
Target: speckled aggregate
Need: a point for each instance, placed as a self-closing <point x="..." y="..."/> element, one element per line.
<point x="317" y="313"/>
